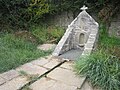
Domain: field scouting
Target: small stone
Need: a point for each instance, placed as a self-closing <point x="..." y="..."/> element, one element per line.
<point x="91" y="39"/>
<point x="32" y="69"/>
<point x="89" y="45"/>
<point x="94" y="32"/>
<point x="67" y="65"/>
<point x="14" y="84"/>
<point x="66" y="76"/>
<point x="46" y="47"/>
<point x="2" y="81"/>
<point x="10" y="75"/>
<point x="40" y="62"/>
<point x="51" y="64"/>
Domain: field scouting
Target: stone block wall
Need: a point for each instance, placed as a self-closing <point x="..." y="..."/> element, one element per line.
<point x="62" y="19"/>
<point x="114" y="29"/>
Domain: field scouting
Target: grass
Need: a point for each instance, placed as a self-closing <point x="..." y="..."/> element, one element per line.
<point x="21" y="47"/>
<point x="110" y="44"/>
<point x="102" y="67"/>
<point x="45" y="34"/>
<point x="17" y="51"/>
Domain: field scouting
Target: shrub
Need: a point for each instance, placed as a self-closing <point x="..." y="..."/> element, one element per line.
<point x="110" y="44"/>
<point x="55" y="33"/>
<point x="20" y="14"/>
<point x="46" y="34"/>
<point x="40" y="32"/>
<point x="101" y="69"/>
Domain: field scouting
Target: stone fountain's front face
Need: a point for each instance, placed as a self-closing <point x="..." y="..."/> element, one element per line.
<point x="74" y="41"/>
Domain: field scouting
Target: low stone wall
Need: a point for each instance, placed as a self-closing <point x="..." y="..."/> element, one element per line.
<point x="91" y="42"/>
<point x="62" y="19"/>
<point x="114" y="29"/>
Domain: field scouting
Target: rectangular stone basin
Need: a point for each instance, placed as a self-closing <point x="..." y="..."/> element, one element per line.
<point x="72" y="54"/>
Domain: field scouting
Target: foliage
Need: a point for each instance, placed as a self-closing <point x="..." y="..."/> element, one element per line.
<point x="110" y="44"/>
<point x="47" y="34"/>
<point x="37" y="8"/>
<point x="101" y="69"/>
<point x="73" y="5"/>
<point x="20" y="14"/>
<point x="16" y="51"/>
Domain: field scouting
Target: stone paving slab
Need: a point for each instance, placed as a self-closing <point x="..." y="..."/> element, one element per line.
<point x="66" y="76"/>
<point x="68" y="65"/>
<point x="2" y="80"/>
<point x="50" y="57"/>
<point x="40" y="62"/>
<point x="14" y="84"/>
<point x="32" y="69"/>
<point x="46" y="47"/>
<point x="52" y="64"/>
<point x="42" y="84"/>
<point x="10" y="75"/>
<point x="49" y="84"/>
<point x="62" y="86"/>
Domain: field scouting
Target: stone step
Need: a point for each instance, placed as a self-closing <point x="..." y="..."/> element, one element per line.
<point x="88" y="86"/>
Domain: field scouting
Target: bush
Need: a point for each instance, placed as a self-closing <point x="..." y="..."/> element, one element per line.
<point x="110" y="44"/>
<point x="21" y="14"/>
<point x="101" y="69"/>
<point x="46" y="34"/>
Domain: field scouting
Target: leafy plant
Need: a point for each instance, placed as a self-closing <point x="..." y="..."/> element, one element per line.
<point x="55" y="34"/>
<point x="40" y="33"/>
<point x="46" y="34"/>
<point x="101" y="69"/>
<point x="21" y="14"/>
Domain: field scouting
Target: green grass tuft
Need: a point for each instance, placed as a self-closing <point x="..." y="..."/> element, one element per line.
<point x="46" y="34"/>
<point x="16" y="51"/>
<point x="101" y="69"/>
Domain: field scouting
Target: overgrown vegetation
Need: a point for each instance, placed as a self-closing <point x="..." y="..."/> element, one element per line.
<point x="21" y="14"/>
<point x="110" y="44"/>
<point x="46" y="34"/>
<point x="102" y="67"/>
<point x="21" y="47"/>
<point x="17" y="51"/>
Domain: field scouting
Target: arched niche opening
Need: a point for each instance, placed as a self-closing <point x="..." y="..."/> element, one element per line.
<point x="81" y="39"/>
